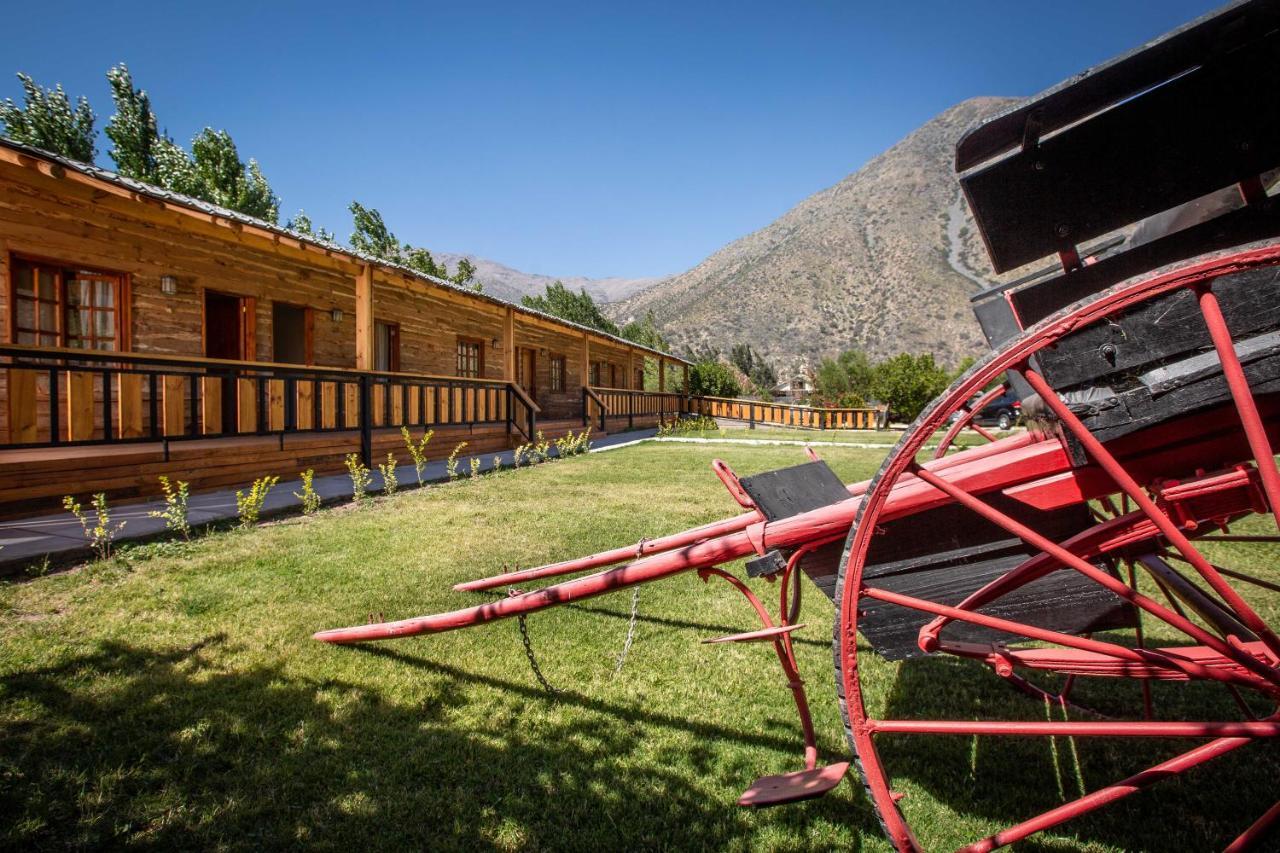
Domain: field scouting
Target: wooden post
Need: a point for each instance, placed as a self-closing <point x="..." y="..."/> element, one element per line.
<point x="364" y="318"/>
<point x="662" y="374"/>
<point x="631" y="369"/>
<point x="586" y="360"/>
<point x="509" y="342"/>
<point x="687" y="393"/>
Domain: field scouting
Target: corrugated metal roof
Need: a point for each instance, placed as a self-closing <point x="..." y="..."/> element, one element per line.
<point x="170" y="197"/>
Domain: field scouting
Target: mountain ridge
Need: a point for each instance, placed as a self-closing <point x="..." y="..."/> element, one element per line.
<point x="509" y="283"/>
<point x="885" y="260"/>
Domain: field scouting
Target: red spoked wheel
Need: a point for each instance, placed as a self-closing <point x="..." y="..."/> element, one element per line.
<point x="1181" y="529"/>
<point x="966" y="418"/>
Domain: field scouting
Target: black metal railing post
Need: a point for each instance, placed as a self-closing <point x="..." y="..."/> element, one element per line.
<point x="366" y="421"/>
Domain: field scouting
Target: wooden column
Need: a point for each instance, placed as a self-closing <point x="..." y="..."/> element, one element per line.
<point x="509" y="343"/>
<point x="364" y="318"/>
<point x="586" y="360"/>
<point x="685" y="369"/>
<point x="631" y="368"/>
<point x="662" y="374"/>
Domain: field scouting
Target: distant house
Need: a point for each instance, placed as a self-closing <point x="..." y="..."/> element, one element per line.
<point x="795" y="389"/>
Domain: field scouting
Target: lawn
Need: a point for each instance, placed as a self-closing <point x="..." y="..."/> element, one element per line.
<point x="176" y="700"/>
<point x="887" y="438"/>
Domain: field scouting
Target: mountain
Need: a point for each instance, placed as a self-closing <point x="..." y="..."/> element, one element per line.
<point x="884" y="261"/>
<point x="506" y="283"/>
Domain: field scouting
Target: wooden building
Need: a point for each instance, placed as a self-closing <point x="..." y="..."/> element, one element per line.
<point x="143" y="332"/>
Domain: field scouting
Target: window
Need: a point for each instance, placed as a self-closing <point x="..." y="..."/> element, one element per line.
<point x="557" y="373"/>
<point x="594" y="377"/>
<point x="386" y="346"/>
<point x="470" y="358"/>
<point x="58" y="305"/>
<point x="639" y="379"/>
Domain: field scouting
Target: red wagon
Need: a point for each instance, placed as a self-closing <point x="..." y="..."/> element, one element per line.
<point x="1147" y="362"/>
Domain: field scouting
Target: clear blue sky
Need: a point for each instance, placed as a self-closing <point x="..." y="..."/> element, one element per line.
<point x="569" y="139"/>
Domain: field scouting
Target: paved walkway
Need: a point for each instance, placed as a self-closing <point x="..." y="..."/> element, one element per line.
<point x="24" y="541"/>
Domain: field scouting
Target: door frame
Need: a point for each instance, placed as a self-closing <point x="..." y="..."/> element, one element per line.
<point x="248" y="322"/>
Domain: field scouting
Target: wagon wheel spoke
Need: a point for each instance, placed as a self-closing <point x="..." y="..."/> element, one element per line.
<point x="968" y="420"/>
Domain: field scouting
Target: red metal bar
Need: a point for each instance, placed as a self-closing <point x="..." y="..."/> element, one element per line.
<point x="1036" y="540"/>
<point x="1104" y="796"/>
<point x="1070" y="728"/>
<point x="1259" y="444"/>
<point x="1171" y="532"/>
<point x="1255" y="832"/>
<point x="1139" y="656"/>
<point x="715" y="529"/>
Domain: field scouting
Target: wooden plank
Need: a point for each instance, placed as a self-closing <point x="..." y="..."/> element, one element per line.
<point x="415" y="405"/>
<point x="172" y="410"/>
<point x="275" y="404"/>
<point x="397" y="404"/>
<point x="379" y="404"/>
<point x="364" y="318"/>
<point x="305" y="408"/>
<point x="129" y="405"/>
<point x="210" y="405"/>
<point x="79" y="420"/>
<point x="247" y="396"/>
<point x="328" y="405"/>
<point x="351" y="395"/>
<point x="22" y="406"/>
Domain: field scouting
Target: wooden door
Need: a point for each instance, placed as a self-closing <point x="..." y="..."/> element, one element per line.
<point x="528" y="367"/>
<point x="229" y="325"/>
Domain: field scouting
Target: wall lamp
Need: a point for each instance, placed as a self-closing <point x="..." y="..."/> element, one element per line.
<point x="495" y="343"/>
<point x="336" y="315"/>
<point x="168" y="285"/>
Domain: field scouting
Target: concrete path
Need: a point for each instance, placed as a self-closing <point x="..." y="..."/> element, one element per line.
<point x="58" y="536"/>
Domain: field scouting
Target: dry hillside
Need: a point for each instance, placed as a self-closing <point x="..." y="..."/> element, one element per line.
<point x="882" y="261"/>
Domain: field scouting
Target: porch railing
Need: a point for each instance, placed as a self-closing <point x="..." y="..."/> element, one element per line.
<point x="59" y="397"/>
<point x="788" y="415"/>
<point x="598" y="404"/>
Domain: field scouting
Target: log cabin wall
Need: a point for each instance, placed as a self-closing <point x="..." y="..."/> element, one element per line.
<point x="58" y="213"/>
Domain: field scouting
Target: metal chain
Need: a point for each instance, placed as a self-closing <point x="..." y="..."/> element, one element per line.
<point x="533" y="660"/>
<point x="631" y="630"/>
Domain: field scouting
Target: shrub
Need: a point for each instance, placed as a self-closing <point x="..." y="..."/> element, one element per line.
<point x="713" y="378"/>
<point x="539" y="451"/>
<point x="249" y="504"/>
<point x="518" y="455"/>
<point x="475" y="467"/>
<point x="497" y="465"/>
<point x="687" y="425"/>
<point x="100" y="532"/>
<point x="417" y="450"/>
<point x="388" y="472"/>
<point x="908" y="382"/>
<point x="310" y="497"/>
<point x="176" y="518"/>
<point x="451" y="466"/>
<point x="360" y="478"/>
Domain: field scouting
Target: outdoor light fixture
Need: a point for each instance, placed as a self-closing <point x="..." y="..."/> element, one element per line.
<point x="336" y="315"/>
<point x="168" y="285"/>
<point x="495" y="344"/>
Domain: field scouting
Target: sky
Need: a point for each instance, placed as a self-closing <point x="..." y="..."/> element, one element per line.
<point x="599" y="139"/>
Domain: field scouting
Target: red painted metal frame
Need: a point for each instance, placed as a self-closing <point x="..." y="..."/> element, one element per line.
<point x="1226" y="660"/>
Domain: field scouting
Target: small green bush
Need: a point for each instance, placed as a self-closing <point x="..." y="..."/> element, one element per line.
<point x="249" y="504"/>
<point x="175" y="515"/>
<point x="388" y="472"/>
<point x="417" y="449"/>
<point x="309" y="497"/>
<point x="451" y="466"/>
<point x="360" y="478"/>
<point x="100" y="532"/>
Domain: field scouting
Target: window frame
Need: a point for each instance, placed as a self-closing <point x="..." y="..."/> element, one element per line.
<point x="556" y="367"/>
<point x="459" y="369"/>
<point x="64" y="272"/>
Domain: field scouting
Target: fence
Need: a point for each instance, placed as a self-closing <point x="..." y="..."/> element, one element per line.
<point x="598" y="404"/>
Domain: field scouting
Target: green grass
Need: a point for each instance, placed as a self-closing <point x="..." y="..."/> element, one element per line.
<point x="879" y="437"/>
<point x="179" y="702"/>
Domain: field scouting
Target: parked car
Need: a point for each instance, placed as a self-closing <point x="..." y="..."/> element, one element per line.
<point x="1003" y="412"/>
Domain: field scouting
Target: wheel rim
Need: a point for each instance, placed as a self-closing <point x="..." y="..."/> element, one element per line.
<point x="1143" y="577"/>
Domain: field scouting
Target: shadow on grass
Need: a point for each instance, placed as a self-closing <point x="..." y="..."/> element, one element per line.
<point x="174" y="749"/>
<point x="1011" y="779"/>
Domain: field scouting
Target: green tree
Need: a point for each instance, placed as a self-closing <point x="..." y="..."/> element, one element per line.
<point x="225" y="180"/>
<point x="373" y="237"/>
<point x="843" y="381"/>
<point x="132" y="130"/>
<point x="645" y="332"/>
<point x="579" y="307"/>
<point x="908" y="382"/>
<point x="754" y="367"/>
<point x="47" y="120"/>
<point x="303" y="225"/>
<point x="713" y="378"/>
